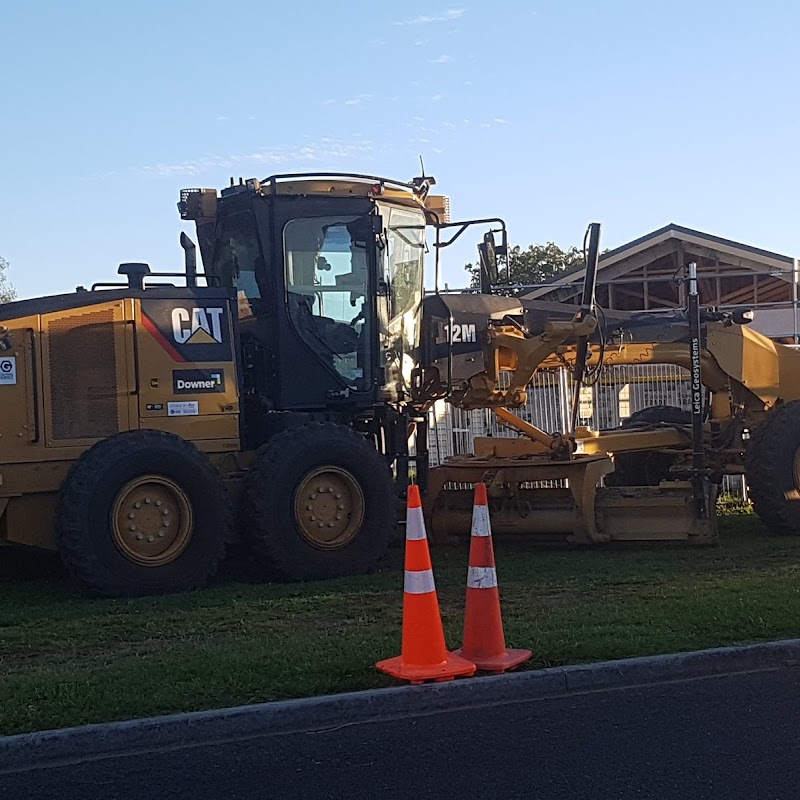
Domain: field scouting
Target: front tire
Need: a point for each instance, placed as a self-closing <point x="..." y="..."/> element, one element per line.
<point x="142" y="512"/>
<point x="772" y="469"/>
<point x="319" y="503"/>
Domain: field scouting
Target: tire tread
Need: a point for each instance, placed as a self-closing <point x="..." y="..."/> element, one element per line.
<point x="77" y="552"/>
<point x="267" y="536"/>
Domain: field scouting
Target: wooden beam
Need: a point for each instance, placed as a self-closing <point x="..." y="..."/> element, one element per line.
<point x="737" y="296"/>
<point x="662" y="302"/>
<point x="774" y="294"/>
<point x="621" y="290"/>
<point x="733" y="254"/>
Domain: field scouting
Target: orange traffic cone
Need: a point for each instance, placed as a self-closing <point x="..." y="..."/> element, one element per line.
<point x="484" y="642"/>
<point x="424" y="656"/>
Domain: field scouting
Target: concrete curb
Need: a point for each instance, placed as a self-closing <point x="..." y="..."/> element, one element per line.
<point x="317" y="713"/>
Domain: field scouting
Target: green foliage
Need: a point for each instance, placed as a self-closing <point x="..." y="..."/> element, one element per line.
<point x="536" y="264"/>
<point x="7" y="291"/>
<point x="733" y="505"/>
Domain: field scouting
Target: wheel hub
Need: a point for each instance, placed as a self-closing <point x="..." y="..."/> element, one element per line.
<point x="329" y="507"/>
<point x="151" y="520"/>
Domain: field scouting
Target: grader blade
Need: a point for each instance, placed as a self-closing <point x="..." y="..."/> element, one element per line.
<point x="524" y="499"/>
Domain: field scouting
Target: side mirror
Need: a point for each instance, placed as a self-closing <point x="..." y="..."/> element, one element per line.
<point x="487" y="252"/>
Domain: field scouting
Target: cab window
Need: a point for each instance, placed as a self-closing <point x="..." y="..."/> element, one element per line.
<point x="238" y="260"/>
<point x="327" y="286"/>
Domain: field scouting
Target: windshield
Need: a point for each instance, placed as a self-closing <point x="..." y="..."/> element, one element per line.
<point x="237" y="258"/>
<point x="327" y="285"/>
<point x="405" y="253"/>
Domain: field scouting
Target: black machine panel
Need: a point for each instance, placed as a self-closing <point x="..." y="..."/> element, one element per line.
<point x="453" y="337"/>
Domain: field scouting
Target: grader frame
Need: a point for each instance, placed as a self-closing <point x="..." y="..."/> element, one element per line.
<point x="738" y="378"/>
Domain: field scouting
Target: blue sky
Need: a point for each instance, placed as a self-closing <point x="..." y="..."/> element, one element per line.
<point x="549" y="114"/>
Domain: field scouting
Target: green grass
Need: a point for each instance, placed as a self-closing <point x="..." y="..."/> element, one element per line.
<point x="67" y="660"/>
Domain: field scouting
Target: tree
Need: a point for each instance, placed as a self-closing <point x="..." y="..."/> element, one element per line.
<point x="535" y="265"/>
<point x="7" y="291"/>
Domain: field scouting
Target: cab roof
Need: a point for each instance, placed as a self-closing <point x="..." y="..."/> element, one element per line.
<point x="414" y="193"/>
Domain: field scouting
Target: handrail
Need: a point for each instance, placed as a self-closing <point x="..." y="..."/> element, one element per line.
<point x="273" y="179"/>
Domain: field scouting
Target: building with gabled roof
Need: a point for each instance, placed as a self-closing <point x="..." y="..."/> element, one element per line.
<point x="645" y="274"/>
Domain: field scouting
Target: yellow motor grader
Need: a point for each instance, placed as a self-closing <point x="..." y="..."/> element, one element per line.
<point x="266" y="398"/>
<point x="656" y="477"/>
<point x="273" y="397"/>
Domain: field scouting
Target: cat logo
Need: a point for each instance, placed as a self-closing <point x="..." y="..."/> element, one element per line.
<point x="189" y="330"/>
<point x="197" y="326"/>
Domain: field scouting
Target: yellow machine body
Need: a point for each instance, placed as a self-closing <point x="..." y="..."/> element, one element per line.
<point x="96" y="366"/>
<point x="747" y="375"/>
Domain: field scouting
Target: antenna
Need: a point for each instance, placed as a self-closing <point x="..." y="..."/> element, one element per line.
<point x="422" y="184"/>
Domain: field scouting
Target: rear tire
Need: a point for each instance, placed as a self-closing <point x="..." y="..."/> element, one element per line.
<point x="319" y="503"/>
<point x="647" y="468"/>
<point x="173" y="540"/>
<point x="772" y="469"/>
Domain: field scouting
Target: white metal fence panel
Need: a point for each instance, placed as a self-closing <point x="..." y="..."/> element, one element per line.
<point x="618" y="393"/>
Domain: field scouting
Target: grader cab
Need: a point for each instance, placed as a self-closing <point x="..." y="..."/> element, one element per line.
<point x="266" y="398"/>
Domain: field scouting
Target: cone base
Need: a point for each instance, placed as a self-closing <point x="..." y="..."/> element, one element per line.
<point x="507" y="660"/>
<point x="453" y="666"/>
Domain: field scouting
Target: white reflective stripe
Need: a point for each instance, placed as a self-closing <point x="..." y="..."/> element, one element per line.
<point x="415" y="524"/>
<point x="481" y="578"/>
<point x="419" y="582"/>
<point x="480" y="521"/>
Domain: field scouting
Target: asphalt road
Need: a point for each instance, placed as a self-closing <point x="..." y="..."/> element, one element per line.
<point x="724" y="737"/>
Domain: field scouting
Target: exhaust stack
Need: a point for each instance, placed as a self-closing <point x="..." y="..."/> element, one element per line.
<point x="189" y="260"/>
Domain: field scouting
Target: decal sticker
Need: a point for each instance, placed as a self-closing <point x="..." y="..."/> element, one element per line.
<point x="197" y="381"/>
<point x="189" y="330"/>
<point x="155" y="406"/>
<point x="186" y="408"/>
<point x="456" y="333"/>
<point x="197" y="325"/>
<point x="8" y="370"/>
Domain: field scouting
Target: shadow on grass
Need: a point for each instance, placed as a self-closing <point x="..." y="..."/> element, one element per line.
<point x="24" y="564"/>
<point x="27" y="567"/>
